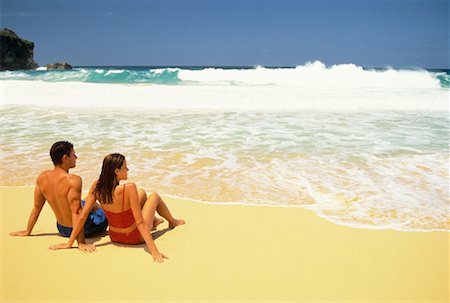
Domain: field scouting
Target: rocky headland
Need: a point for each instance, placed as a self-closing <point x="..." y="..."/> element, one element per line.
<point x="15" y="52"/>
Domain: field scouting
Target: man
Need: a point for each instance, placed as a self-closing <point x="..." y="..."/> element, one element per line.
<point x="63" y="192"/>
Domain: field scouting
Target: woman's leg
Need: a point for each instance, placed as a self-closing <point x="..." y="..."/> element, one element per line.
<point x="155" y="203"/>
<point x="142" y="199"/>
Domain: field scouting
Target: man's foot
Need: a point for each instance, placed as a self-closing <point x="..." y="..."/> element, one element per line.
<point x="176" y="222"/>
<point x="156" y="222"/>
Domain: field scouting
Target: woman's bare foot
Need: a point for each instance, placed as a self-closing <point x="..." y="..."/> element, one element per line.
<point x="176" y="222"/>
<point x="156" y="222"/>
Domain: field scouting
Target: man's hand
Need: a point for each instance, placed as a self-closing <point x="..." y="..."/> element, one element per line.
<point x="86" y="247"/>
<point x="21" y="233"/>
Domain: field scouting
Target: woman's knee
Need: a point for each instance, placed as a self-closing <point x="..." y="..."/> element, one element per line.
<point x="142" y="192"/>
<point x="154" y="196"/>
<point x="142" y="197"/>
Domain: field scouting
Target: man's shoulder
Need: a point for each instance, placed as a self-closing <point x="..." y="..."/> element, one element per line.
<point x="74" y="182"/>
<point x="74" y="178"/>
<point x="44" y="175"/>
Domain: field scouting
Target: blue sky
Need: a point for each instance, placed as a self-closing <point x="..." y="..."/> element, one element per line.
<point x="373" y="33"/>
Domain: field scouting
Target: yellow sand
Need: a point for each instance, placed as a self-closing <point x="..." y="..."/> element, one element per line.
<point x="225" y="253"/>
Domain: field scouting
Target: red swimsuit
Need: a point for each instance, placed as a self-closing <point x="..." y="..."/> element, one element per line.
<point x="123" y="219"/>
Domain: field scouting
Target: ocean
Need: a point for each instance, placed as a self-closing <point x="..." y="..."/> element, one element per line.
<point x="361" y="147"/>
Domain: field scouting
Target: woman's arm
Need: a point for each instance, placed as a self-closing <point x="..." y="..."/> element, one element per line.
<point x="131" y="192"/>
<point x="78" y="225"/>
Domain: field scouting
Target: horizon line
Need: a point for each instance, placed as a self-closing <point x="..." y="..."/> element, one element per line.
<point x="257" y="65"/>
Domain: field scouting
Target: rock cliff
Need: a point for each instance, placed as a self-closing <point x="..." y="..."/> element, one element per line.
<point x="15" y="53"/>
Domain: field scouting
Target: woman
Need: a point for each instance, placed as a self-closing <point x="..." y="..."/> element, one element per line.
<point x="128" y="223"/>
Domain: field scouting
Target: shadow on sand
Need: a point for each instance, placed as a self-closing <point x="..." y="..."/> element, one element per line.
<point x="96" y="237"/>
<point x="44" y="234"/>
<point x="155" y="235"/>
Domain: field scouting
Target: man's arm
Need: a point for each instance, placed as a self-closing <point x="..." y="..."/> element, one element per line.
<point x="39" y="201"/>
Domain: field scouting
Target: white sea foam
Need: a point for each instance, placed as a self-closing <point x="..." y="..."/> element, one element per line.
<point x="223" y="97"/>
<point x="315" y="75"/>
<point x="162" y="70"/>
<point x="114" y="71"/>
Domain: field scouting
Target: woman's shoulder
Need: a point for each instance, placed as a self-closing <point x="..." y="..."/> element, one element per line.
<point x="129" y="186"/>
<point x="129" y="189"/>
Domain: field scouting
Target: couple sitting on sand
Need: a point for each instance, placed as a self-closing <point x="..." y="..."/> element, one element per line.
<point x="129" y="212"/>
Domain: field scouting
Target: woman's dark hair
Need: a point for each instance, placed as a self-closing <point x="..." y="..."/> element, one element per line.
<point x="58" y="150"/>
<point x="107" y="181"/>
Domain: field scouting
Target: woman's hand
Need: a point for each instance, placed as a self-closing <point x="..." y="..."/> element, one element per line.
<point x="60" y="246"/>
<point x="159" y="257"/>
<point x="81" y="246"/>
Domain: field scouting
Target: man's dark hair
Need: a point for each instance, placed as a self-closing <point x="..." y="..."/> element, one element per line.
<point x="59" y="149"/>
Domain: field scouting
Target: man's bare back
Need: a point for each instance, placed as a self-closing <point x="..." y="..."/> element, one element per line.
<point x="62" y="191"/>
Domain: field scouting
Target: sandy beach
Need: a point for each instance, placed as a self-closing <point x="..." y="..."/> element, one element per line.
<point x="225" y="253"/>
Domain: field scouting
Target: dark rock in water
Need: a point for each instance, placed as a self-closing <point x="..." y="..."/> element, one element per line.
<point x="59" y="66"/>
<point x="15" y="53"/>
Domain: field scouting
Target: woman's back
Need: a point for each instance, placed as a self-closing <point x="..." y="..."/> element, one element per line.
<point x="119" y="213"/>
<point x="119" y="201"/>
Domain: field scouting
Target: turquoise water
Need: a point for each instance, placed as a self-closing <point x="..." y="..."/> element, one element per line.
<point x="98" y="75"/>
<point x="158" y="75"/>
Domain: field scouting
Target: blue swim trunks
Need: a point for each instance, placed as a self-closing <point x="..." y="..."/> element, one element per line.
<point x="96" y="222"/>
